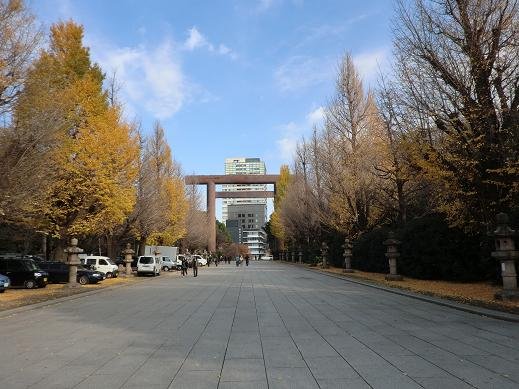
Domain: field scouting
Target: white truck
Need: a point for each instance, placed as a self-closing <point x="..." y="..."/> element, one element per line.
<point x="167" y="253"/>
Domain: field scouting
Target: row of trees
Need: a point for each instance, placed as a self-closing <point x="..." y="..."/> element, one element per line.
<point x="439" y="134"/>
<point x="70" y="163"/>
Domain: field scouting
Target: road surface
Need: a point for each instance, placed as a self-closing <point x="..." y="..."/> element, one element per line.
<point x="268" y="325"/>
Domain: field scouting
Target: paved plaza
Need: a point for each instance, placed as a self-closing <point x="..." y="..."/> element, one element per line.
<point x="268" y="325"/>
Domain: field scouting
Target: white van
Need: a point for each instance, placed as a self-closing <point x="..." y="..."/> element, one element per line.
<point x="168" y="263"/>
<point x="102" y="264"/>
<point x="148" y="264"/>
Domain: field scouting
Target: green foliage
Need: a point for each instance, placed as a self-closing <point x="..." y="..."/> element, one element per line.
<point x="430" y="249"/>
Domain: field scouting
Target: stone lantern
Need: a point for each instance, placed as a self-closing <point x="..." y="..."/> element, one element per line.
<point x="300" y="256"/>
<point x="506" y="254"/>
<point x="128" y="253"/>
<point x="73" y="261"/>
<point x="392" y="254"/>
<point x="324" y="253"/>
<point x="347" y="246"/>
<point x="293" y="256"/>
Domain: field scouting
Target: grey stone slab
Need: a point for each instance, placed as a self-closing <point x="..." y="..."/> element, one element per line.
<point x="314" y="347"/>
<point x="194" y="327"/>
<point x="416" y="366"/>
<point x="284" y="378"/>
<point x="243" y="370"/>
<point x="343" y="383"/>
<point x="443" y="383"/>
<point x="199" y="379"/>
<point x="401" y="382"/>
<point x="331" y="368"/>
<point x="243" y="385"/>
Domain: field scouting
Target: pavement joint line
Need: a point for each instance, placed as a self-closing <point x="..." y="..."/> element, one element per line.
<point x="201" y="333"/>
<point x="428" y="342"/>
<point x="162" y="344"/>
<point x="229" y="337"/>
<point x="377" y="353"/>
<point x="494" y="314"/>
<point x="93" y="372"/>
<point x="292" y="338"/>
<point x="454" y="339"/>
<point x="260" y="338"/>
<point x="43" y="304"/>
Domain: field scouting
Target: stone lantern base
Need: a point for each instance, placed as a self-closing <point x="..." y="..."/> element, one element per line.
<point x="507" y="295"/>
<point x="394" y="277"/>
<point x="348" y="271"/>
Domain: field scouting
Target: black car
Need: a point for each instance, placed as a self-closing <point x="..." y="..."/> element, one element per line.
<point x="23" y="272"/>
<point x="59" y="272"/>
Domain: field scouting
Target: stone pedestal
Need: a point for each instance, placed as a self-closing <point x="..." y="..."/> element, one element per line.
<point x="128" y="253"/>
<point x="300" y="255"/>
<point x="392" y="254"/>
<point x="73" y="262"/>
<point x="293" y="256"/>
<point x="347" y="256"/>
<point x="506" y="254"/>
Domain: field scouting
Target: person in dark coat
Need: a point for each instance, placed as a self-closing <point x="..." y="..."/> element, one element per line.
<point x="247" y="260"/>
<point x="184" y="267"/>
<point x="195" y="267"/>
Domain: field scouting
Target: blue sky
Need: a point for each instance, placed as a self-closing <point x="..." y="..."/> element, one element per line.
<point x="228" y="78"/>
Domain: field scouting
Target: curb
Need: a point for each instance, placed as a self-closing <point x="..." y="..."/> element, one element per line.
<point x="42" y="304"/>
<point x="510" y="317"/>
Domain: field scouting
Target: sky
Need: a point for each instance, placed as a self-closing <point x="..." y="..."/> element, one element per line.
<point x="229" y="78"/>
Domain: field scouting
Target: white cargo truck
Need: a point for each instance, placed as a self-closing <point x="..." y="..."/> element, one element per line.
<point x="167" y="253"/>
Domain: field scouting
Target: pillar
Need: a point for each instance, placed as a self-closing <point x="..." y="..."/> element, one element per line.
<point x="128" y="253"/>
<point x="507" y="254"/>
<point x="211" y="215"/>
<point x="73" y="261"/>
<point x="392" y="254"/>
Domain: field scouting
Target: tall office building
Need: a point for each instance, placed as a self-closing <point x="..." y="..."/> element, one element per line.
<point x="243" y="166"/>
<point x="246" y="217"/>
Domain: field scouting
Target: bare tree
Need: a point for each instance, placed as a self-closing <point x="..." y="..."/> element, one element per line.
<point x="459" y="73"/>
<point x="19" y="39"/>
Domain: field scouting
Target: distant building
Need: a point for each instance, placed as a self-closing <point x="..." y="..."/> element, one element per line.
<point x="235" y="230"/>
<point x="243" y="165"/>
<point x="245" y="218"/>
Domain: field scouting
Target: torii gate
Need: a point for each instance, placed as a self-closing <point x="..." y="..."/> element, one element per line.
<point x="212" y="195"/>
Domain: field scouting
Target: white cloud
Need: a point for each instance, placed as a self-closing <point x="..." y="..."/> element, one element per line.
<point x="264" y="5"/>
<point x="316" y="117"/>
<point x="370" y="63"/>
<point x="300" y="72"/>
<point x="151" y="77"/>
<point x="287" y="144"/>
<point x="197" y="40"/>
<point x="293" y="132"/>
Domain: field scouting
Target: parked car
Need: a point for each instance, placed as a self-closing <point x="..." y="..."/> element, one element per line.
<point x="168" y="263"/>
<point x="200" y="260"/>
<point x="147" y="264"/>
<point x="59" y="272"/>
<point x="23" y="272"/>
<point x="266" y="258"/>
<point x="5" y="282"/>
<point x="102" y="264"/>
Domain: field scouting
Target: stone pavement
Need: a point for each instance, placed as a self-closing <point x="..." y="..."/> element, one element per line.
<point x="268" y="325"/>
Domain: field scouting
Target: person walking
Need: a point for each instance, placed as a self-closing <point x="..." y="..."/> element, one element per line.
<point x="183" y="267"/>
<point x="247" y="260"/>
<point x="195" y="267"/>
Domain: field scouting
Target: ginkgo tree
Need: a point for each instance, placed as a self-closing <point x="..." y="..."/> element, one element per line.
<point x="93" y="158"/>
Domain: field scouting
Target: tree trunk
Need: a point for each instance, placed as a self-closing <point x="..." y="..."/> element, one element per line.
<point x="142" y="245"/>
